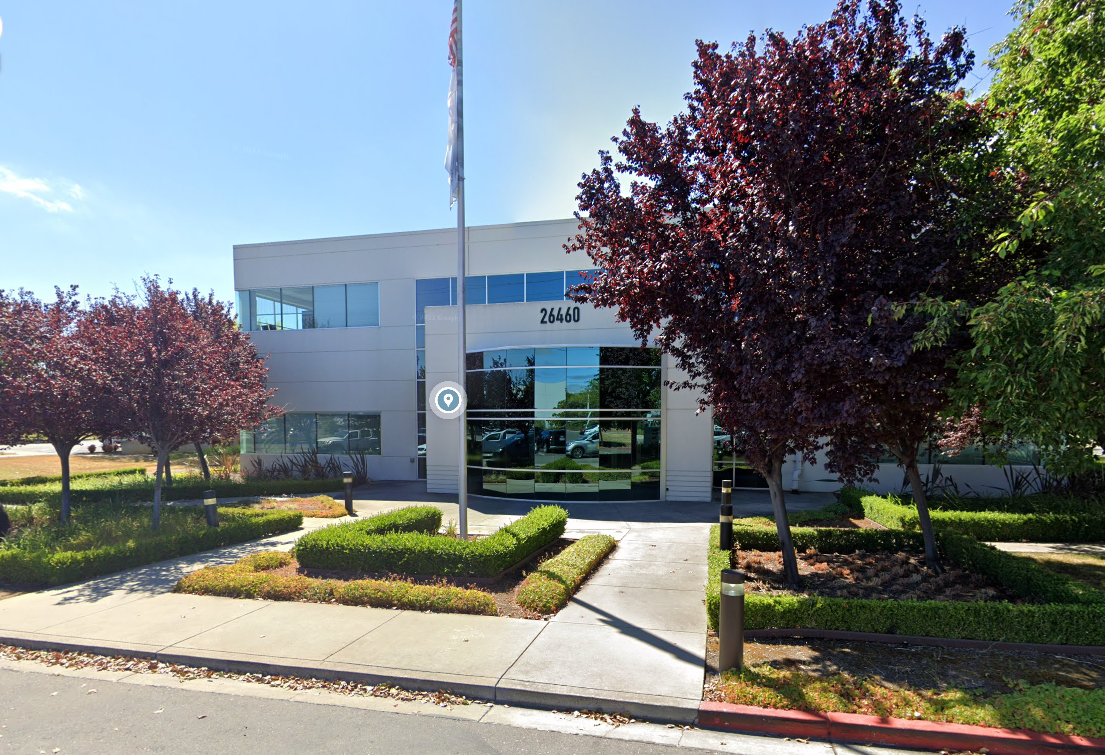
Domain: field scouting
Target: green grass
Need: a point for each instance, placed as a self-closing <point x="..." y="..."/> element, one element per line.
<point x="552" y="584"/>
<point x="1043" y="707"/>
<point x="359" y="546"/>
<point x="251" y="577"/>
<point x="137" y="487"/>
<point x="104" y="538"/>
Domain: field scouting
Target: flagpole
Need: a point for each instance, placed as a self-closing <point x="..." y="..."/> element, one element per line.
<point x="462" y="347"/>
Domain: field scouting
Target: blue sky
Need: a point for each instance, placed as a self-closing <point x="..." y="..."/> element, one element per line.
<point x="140" y="137"/>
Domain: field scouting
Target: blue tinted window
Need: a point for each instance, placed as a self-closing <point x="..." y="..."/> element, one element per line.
<point x="430" y="292"/>
<point x="583" y="356"/>
<point x="245" y="321"/>
<point x="550" y="357"/>
<point x="364" y="305"/>
<point x="576" y="277"/>
<point x="329" y="306"/>
<point x="475" y="289"/>
<point x="545" y="286"/>
<point x="503" y="289"/>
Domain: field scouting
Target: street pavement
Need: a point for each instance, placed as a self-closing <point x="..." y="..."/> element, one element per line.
<point x="59" y="711"/>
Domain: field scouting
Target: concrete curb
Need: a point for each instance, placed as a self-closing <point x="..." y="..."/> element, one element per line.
<point x="893" y="732"/>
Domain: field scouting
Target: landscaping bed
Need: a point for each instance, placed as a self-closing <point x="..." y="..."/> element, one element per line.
<point x="533" y="591"/>
<point x="316" y="507"/>
<point x="1040" y="692"/>
<point x="105" y="538"/>
<point x="887" y="576"/>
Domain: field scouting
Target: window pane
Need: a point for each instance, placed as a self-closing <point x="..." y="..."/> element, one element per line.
<point x="576" y="277"/>
<point x="583" y="357"/>
<point x="299" y="308"/>
<point x="429" y="292"/>
<point x="629" y="388"/>
<point x="333" y="433"/>
<point x="270" y="436"/>
<point x="364" y="433"/>
<point x="264" y="306"/>
<point x="545" y="286"/>
<point x="420" y="336"/>
<point x="582" y="388"/>
<point x="329" y="306"/>
<point x="475" y="289"/>
<point x="246" y="440"/>
<point x="549" y="388"/>
<point x="504" y="289"/>
<point x="299" y="433"/>
<point x="493" y="359"/>
<point x="364" y="304"/>
<point x="245" y="321"/>
<point x="420" y="364"/>
<point x="519" y="358"/>
<point x="632" y="356"/>
<point x="550" y="357"/>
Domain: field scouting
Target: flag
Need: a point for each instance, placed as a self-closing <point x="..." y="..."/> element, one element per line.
<point x="452" y="150"/>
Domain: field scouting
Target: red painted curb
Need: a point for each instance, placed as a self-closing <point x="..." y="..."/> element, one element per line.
<point x="932" y="735"/>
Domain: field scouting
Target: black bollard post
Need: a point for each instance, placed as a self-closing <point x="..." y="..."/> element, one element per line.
<point x="730" y="628"/>
<point x="347" y="478"/>
<point x="726" y="539"/>
<point x="210" y="508"/>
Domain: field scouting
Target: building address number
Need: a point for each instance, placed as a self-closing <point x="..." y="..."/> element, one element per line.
<point x="550" y="316"/>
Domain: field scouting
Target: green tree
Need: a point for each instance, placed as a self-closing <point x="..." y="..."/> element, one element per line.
<point x="1037" y="366"/>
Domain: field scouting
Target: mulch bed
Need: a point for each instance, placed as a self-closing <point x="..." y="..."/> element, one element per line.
<point x="503" y="591"/>
<point x="875" y="576"/>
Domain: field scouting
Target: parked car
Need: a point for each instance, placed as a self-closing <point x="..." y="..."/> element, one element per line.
<point x="723" y="441"/>
<point x="585" y="445"/>
<point x="494" y="441"/>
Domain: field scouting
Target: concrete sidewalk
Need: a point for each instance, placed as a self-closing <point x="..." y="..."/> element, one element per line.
<point x="632" y="640"/>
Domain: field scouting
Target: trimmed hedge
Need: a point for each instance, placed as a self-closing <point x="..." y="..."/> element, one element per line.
<point x="424" y="519"/>
<point x="348" y="548"/>
<point x="35" y="568"/>
<point x="1067" y="612"/>
<point x="136" y="488"/>
<point x="43" y="479"/>
<point x="250" y="578"/>
<point x="997" y="526"/>
<point x="828" y="539"/>
<point x="549" y="588"/>
<point x="995" y="622"/>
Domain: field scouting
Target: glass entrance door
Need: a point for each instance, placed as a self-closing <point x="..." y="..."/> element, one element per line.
<point x="730" y="463"/>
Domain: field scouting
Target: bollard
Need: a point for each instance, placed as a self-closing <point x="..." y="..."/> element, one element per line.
<point x="347" y="478"/>
<point x="210" y="509"/>
<point x="730" y="627"/>
<point x="726" y="540"/>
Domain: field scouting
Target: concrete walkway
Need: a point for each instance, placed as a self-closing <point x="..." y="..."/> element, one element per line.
<point x="632" y="640"/>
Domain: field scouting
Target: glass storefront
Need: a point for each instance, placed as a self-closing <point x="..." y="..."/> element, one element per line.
<point x="564" y="423"/>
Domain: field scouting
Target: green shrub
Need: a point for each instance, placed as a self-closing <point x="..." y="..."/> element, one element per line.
<point x="548" y="589"/>
<point x="1026" y="578"/>
<point x="424" y="519"/>
<point x="113" y="539"/>
<point x="990" y="621"/>
<point x="250" y="578"/>
<point x="997" y="526"/>
<point x="45" y="479"/>
<point x="561" y="464"/>
<point x="345" y="547"/>
<point x="138" y="488"/>
<point x="828" y="539"/>
<point x="716" y="560"/>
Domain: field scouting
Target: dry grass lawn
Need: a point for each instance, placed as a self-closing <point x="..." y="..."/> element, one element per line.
<point x="1086" y="567"/>
<point x="15" y="467"/>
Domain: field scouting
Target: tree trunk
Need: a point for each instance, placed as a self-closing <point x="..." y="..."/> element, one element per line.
<point x="63" y="450"/>
<point x="932" y="560"/>
<point x="168" y="471"/>
<point x="782" y="524"/>
<point x="203" y="463"/>
<point x="162" y="464"/>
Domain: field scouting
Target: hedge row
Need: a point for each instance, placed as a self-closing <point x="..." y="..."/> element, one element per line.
<point x="1073" y="615"/>
<point x="990" y="621"/>
<point x="346" y="547"/>
<point x="549" y="588"/>
<point x="139" y="489"/>
<point x="424" y="519"/>
<point x="44" y="568"/>
<point x="250" y="578"/>
<point x="997" y="526"/>
<point x="828" y="539"/>
<point x="43" y="479"/>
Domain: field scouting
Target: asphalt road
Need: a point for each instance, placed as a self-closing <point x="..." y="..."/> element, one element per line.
<point x="41" y="713"/>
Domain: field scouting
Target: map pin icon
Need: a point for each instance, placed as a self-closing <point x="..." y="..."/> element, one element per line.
<point x="448" y="399"/>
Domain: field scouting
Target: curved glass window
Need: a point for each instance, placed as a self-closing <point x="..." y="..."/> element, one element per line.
<point x="564" y="423"/>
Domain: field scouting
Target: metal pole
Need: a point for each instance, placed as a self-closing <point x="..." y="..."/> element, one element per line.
<point x="730" y="628"/>
<point x="347" y="480"/>
<point x="210" y="508"/>
<point x="726" y="519"/>
<point x="462" y="346"/>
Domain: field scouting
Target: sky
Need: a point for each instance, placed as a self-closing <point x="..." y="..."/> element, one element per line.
<point x="149" y="138"/>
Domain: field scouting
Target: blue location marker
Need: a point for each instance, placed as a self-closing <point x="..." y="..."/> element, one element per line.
<point x="448" y="400"/>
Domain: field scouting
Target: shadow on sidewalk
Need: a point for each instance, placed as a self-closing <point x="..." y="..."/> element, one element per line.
<point x="644" y="635"/>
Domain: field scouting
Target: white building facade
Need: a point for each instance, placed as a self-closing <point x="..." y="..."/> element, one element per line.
<point x="563" y="403"/>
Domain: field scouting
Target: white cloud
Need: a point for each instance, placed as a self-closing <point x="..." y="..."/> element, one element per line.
<point x="37" y="190"/>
